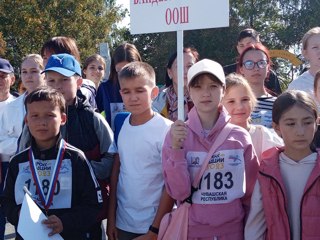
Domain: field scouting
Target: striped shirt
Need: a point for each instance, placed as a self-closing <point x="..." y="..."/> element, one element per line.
<point x="262" y="113"/>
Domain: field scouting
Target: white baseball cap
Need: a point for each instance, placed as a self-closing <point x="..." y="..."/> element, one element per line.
<point x="207" y="66"/>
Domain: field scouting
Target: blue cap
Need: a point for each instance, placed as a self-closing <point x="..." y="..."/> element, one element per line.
<point x="64" y="64"/>
<point x="5" y="66"/>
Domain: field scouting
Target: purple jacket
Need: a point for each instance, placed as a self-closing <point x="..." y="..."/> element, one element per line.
<point x="222" y="202"/>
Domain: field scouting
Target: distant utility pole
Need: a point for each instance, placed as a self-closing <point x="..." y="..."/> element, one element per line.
<point x="105" y="53"/>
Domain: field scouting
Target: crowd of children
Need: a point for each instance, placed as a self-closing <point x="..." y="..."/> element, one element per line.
<point x="82" y="165"/>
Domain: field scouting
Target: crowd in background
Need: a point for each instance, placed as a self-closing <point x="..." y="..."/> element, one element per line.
<point x="261" y="183"/>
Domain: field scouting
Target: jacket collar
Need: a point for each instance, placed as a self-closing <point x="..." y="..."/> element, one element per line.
<point x="270" y="166"/>
<point x="50" y="153"/>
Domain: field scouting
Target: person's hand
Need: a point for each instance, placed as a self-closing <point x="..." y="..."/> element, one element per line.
<point x="148" y="236"/>
<point x="112" y="231"/>
<point x="178" y="133"/>
<point x="54" y="223"/>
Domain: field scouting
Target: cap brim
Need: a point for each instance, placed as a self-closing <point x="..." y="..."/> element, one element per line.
<point x="203" y="72"/>
<point x="63" y="71"/>
<point x="6" y="71"/>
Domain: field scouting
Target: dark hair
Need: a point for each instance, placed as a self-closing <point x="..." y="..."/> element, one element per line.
<point x="249" y="32"/>
<point x="125" y="52"/>
<point x="290" y="98"/>
<point x="61" y="44"/>
<point x="138" y="69"/>
<point x="193" y="51"/>
<point x="46" y="94"/>
<point x="316" y="83"/>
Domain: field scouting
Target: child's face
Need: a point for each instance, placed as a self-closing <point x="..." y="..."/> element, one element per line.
<point x="68" y="86"/>
<point x="238" y="103"/>
<point x="297" y="127"/>
<point x="206" y="94"/>
<point x="257" y="75"/>
<point x="6" y="81"/>
<point x="137" y="95"/>
<point x="31" y="75"/>
<point x="244" y="43"/>
<point x="94" y="71"/>
<point x="312" y="52"/>
<point x="188" y="61"/>
<point x="44" y="120"/>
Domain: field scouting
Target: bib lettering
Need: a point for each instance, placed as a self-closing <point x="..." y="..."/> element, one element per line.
<point x="223" y="180"/>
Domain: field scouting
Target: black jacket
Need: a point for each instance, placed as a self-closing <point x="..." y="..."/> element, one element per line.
<point x="83" y="191"/>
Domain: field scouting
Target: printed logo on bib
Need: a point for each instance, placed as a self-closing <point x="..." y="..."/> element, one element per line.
<point x="62" y="191"/>
<point x="195" y="160"/>
<point x="223" y="180"/>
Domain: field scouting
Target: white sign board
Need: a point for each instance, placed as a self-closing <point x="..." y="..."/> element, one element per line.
<point x="150" y="16"/>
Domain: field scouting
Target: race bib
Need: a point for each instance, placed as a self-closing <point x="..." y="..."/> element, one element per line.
<point x="114" y="109"/>
<point x="223" y="180"/>
<point x="262" y="117"/>
<point x="62" y="191"/>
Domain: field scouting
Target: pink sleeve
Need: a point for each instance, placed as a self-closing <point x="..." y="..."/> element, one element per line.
<point x="251" y="167"/>
<point x="175" y="171"/>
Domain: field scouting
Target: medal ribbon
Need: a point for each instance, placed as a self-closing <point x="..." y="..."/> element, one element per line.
<point x="47" y="200"/>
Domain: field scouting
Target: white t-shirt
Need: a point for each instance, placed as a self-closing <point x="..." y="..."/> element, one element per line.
<point x="263" y="139"/>
<point x="140" y="181"/>
<point x="304" y="82"/>
<point x="5" y="102"/>
<point x="11" y="122"/>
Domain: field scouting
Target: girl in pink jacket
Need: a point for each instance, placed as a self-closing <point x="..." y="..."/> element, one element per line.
<point x="222" y="200"/>
<point x="286" y="199"/>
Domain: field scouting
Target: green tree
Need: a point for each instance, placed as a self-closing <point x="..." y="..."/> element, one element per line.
<point x="3" y="45"/>
<point x="27" y="24"/>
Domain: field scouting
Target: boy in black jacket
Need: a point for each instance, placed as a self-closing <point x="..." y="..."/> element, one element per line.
<point x="84" y="129"/>
<point x="57" y="174"/>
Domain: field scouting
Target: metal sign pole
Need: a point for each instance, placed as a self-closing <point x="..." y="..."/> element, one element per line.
<point x="180" y="66"/>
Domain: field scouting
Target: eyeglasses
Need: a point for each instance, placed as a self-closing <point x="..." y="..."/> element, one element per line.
<point x="249" y="65"/>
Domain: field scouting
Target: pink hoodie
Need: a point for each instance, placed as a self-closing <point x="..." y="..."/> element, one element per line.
<point x="222" y="203"/>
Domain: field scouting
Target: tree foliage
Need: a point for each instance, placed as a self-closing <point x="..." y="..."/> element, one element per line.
<point x="27" y="24"/>
<point x="281" y="23"/>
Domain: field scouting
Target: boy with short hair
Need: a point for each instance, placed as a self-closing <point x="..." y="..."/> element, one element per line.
<point x="137" y="182"/>
<point x="85" y="129"/>
<point x="50" y="166"/>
